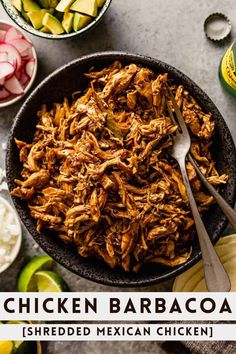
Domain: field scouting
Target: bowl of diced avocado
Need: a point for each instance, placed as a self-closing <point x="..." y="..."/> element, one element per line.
<point x="56" y="19"/>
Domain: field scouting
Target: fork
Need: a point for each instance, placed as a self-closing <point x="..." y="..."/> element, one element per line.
<point x="225" y="207"/>
<point x="215" y="275"/>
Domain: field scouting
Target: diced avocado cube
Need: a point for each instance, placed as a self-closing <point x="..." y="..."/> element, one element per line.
<point x="25" y="15"/>
<point x="36" y="18"/>
<point x="80" y="21"/>
<point x="64" y="5"/>
<point x="45" y="30"/>
<point x="100" y="3"/>
<point x="44" y="4"/>
<point x="18" y="4"/>
<point x="87" y="7"/>
<point x="53" y="24"/>
<point x="67" y="21"/>
<point x="30" y="5"/>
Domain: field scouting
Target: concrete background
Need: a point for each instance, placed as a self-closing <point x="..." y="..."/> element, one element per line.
<point x="169" y="30"/>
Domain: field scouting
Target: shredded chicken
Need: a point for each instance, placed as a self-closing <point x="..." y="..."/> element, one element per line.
<point x="99" y="172"/>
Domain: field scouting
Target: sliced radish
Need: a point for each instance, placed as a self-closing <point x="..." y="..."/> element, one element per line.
<point x="24" y="62"/>
<point x="6" y="69"/>
<point x="4" y="94"/>
<point x="27" y="54"/>
<point x="2" y="35"/>
<point x="18" y="74"/>
<point x="12" y="53"/>
<point x="12" y="34"/>
<point x="21" y="45"/>
<point x="13" y="86"/>
<point x="29" y="68"/>
<point x="3" y="56"/>
<point x="24" y="78"/>
<point x="16" y="63"/>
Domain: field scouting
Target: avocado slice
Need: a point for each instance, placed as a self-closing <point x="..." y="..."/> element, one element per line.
<point x="64" y="5"/>
<point x="67" y="21"/>
<point x="36" y="18"/>
<point x="45" y="30"/>
<point x="53" y="24"/>
<point x="18" y="4"/>
<point x="100" y="3"/>
<point x="25" y="15"/>
<point x="80" y="21"/>
<point x="87" y="7"/>
<point x="44" y="3"/>
<point x="30" y="5"/>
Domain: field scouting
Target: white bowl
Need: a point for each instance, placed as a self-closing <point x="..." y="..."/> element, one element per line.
<point x="4" y="25"/>
<point x="17" y="245"/>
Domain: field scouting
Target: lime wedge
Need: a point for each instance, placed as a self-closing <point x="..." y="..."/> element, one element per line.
<point x="50" y="282"/>
<point x="17" y="343"/>
<point x="26" y="281"/>
<point x="6" y="347"/>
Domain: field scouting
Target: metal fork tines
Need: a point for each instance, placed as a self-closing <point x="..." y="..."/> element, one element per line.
<point x="215" y="275"/>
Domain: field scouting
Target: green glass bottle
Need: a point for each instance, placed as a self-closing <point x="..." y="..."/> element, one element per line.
<point x="227" y="70"/>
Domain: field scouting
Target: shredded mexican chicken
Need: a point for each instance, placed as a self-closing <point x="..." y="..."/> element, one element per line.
<point x="99" y="172"/>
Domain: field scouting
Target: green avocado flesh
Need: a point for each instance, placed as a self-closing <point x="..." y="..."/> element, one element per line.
<point x="53" y="24"/>
<point x="58" y="16"/>
<point x="87" y="7"/>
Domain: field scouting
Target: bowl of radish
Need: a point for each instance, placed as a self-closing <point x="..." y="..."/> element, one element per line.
<point x="18" y="64"/>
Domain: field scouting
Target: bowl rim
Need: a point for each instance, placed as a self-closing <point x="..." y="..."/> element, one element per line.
<point x="51" y="36"/>
<point x="148" y="61"/>
<point x="17" y="245"/>
<point x="15" y="99"/>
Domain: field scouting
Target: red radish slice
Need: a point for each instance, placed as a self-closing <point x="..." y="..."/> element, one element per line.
<point x="4" y="94"/>
<point x="2" y="35"/>
<point x="27" y="54"/>
<point x="13" y="86"/>
<point x="11" y="35"/>
<point x="18" y="74"/>
<point x="21" y="44"/>
<point x="3" y="56"/>
<point x="17" y="63"/>
<point x="6" y="69"/>
<point x="24" y="80"/>
<point x="12" y="53"/>
<point x="29" y="68"/>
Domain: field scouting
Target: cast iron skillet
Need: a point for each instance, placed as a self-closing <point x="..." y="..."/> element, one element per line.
<point x="63" y="82"/>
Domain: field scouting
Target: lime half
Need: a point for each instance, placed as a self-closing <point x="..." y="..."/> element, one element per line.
<point x="50" y="282"/>
<point x="26" y="281"/>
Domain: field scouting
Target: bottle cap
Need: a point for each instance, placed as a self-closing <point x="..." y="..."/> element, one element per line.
<point x="217" y="27"/>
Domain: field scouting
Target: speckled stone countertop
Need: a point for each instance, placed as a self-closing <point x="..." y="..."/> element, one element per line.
<point x="169" y="30"/>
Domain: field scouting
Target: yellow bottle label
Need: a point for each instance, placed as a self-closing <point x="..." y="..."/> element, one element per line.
<point x="228" y="69"/>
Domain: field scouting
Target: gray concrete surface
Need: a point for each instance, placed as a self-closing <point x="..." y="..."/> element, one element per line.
<point x="170" y="30"/>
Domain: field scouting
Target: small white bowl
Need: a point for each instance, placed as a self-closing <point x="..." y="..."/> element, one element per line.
<point x="17" y="245"/>
<point x="4" y="25"/>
